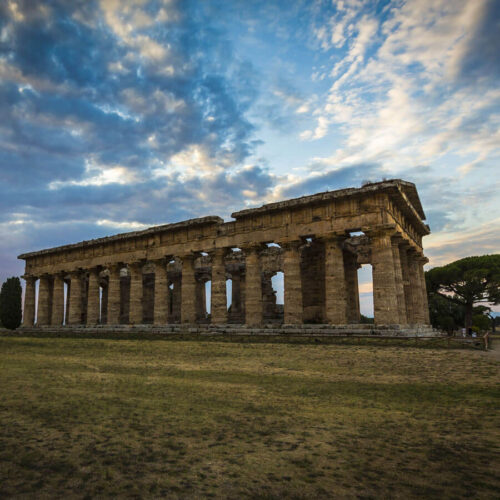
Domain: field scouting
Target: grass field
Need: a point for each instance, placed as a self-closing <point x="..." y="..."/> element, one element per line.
<point x="186" y="419"/>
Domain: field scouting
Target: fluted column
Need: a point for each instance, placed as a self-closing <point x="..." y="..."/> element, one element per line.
<point x="136" y="293"/>
<point x="114" y="296"/>
<point x="58" y="300"/>
<point x="405" y="271"/>
<point x="385" y="302"/>
<point x="218" y="309"/>
<point x="93" y="304"/>
<point x="29" y="301"/>
<point x="188" y="290"/>
<point x="43" y="313"/>
<point x="335" y="286"/>
<point x="253" y="286"/>
<point x="75" y="300"/>
<point x="416" y="287"/>
<point x="293" y="307"/>
<point x="398" y="276"/>
<point x="352" y="289"/>
<point x="161" y="293"/>
<point x="421" y="261"/>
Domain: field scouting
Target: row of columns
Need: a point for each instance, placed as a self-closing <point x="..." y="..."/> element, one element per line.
<point x="399" y="293"/>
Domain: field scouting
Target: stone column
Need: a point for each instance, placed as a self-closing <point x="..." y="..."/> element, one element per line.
<point x="75" y="290"/>
<point x="114" y="296"/>
<point x="416" y="287"/>
<point x="352" y="289"/>
<point x="405" y="271"/>
<point x="136" y="292"/>
<point x="43" y="313"/>
<point x="218" y="307"/>
<point x="58" y="300"/>
<point x="93" y="303"/>
<point x="293" y="308"/>
<point x="335" y="286"/>
<point x="253" y="286"/>
<point x="425" y="303"/>
<point x="29" y="300"/>
<point x="385" y="302"/>
<point x="398" y="276"/>
<point x="188" y="290"/>
<point x="161" y="308"/>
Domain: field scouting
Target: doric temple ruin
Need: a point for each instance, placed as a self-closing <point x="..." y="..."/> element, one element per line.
<point x="158" y="276"/>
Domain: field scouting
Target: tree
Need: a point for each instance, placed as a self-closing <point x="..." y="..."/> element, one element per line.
<point x="10" y="303"/>
<point x="467" y="282"/>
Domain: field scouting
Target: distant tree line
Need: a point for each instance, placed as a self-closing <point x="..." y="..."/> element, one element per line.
<point x="460" y="293"/>
<point x="10" y="304"/>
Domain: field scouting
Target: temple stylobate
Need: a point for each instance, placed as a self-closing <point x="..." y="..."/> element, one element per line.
<point x="159" y="275"/>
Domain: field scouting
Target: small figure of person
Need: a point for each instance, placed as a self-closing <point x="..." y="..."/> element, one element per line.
<point x="463" y="332"/>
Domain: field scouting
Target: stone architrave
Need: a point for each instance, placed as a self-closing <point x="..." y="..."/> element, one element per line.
<point x="416" y="286"/>
<point x="188" y="290"/>
<point x="385" y="302"/>
<point x="29" y="301"/>
<point x="219" y="296"/>
<point x="253" y="286"/>
<point x="93" y="304"/>
<point x="335" y="285"/>
<point x="136" y="293"/>
<point x="161" y="308"/>
<point x="293" y="307"/>
<point x="75" y="290"/>
<point x="352" y="289"/>
<point x="398" y="276"/>
<point x="58" y="300"/>
<point x="114" y="295"/>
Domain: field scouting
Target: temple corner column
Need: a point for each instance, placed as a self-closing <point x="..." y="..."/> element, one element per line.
<point x="385" y="302"/>
<point x="399" y="281"/>
<point x="29" y="300"/>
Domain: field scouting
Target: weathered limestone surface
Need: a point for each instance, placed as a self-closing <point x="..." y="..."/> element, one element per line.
<point x="385" y="297"/>
<point x="93" y="298"/>
<point x="58" y="300"/>
<point x="161" y="308"/>
<point x="293" y="314"/>
<point x="318" y="242"/>
<point x="335" y="284"/>
<point x="253" y="287"/>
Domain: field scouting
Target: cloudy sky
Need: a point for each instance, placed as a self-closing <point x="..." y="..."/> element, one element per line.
<point x="119" y="115"/>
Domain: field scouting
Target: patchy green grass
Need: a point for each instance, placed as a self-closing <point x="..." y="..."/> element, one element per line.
<point x="149" y="418"/>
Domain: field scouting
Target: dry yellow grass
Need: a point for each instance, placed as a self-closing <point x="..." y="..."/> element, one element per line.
<point x="184" y="419"/>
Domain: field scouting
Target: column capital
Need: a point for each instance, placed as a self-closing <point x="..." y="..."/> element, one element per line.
<point x="136" y="265"/>
<point x="114" y="266"/>
<point x="94" y="270"/>
<point x="29" y="277"/>
<point x="220" y="252"/>
<point x="294" y="245"/>
<point x="76" y="273"/>
<point x="383" y="230"/>
<point x="253" y="248"/>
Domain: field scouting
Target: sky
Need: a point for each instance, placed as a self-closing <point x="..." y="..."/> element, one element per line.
<point x="120" y="115"/>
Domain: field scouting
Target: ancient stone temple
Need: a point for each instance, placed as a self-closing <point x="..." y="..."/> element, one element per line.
<point x="158" y="276"/>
